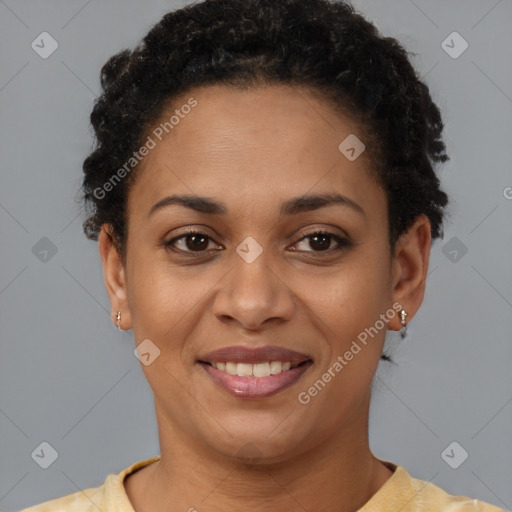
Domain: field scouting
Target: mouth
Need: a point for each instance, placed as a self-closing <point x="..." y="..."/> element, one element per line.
<point x="254" y="373"/>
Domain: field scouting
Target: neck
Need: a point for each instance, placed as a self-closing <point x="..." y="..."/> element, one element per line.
<point x="340" y="474"/>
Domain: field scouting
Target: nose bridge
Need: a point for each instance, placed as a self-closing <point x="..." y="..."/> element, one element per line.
<point x="252" y="277"/>
<point x="252" y="293"/>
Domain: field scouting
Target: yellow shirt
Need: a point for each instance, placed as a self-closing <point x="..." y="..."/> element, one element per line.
<point x="401" y="493"/>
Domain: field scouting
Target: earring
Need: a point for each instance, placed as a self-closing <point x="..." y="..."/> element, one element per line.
<point x="403" y="330"/>
<point x="118" y="319"/>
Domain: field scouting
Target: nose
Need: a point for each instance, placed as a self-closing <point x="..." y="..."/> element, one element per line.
<point x="253" y="294"/>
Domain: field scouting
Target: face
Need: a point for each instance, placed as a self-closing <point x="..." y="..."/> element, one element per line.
<point x="284" y="259"/>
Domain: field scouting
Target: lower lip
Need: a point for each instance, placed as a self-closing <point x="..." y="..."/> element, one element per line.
<point x="255" y="387"/>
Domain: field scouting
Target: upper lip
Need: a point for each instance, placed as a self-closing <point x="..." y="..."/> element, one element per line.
<point x="241" y="354"/>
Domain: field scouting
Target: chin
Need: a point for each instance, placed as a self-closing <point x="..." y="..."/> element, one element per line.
<point x="258" y="441"/>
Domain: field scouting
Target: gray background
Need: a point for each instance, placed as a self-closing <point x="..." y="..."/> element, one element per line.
<point x="69" y="378"/>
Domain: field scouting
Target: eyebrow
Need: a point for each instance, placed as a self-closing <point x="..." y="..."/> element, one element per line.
<point x="290" y="207"/>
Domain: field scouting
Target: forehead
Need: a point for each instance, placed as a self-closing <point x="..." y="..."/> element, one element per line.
<point x="253" y="146"/>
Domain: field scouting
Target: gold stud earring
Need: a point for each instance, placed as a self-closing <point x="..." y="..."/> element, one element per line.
<point x="118" y="319"/>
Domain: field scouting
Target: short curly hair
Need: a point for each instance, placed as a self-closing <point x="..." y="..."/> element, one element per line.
<point x="323" y="45"/>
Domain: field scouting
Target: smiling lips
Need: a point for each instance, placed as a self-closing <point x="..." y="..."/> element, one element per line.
<point x="254" y="372"/>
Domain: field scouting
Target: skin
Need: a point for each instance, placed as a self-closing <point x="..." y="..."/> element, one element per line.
<point x="252" y="150"/>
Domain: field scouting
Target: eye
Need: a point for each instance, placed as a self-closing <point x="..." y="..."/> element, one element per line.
<point x="190" y="242"/>
<point x="194" y="242"/>
<point x="321" y="241"/>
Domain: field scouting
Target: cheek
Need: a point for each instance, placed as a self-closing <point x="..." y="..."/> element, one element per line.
<point x="156" y="299"/>
<point x="349" y="304"/>
<point x="165" y="300"/>
<point x="349" y="297"/>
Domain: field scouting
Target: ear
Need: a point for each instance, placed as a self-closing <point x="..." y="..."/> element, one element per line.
<point x="409" y="269"/>
<point x="114" y="275"/>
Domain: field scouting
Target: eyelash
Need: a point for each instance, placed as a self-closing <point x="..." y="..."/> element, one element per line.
<point x="343" y="243"/>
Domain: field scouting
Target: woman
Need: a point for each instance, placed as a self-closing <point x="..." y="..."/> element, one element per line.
<point x="264" y="197"/>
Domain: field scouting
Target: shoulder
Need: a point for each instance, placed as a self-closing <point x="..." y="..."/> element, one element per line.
<point x="108" y="497"/>
<point x="407" y="494"/>
<point x="87" y="500"/>
<point x="433" y="497"/>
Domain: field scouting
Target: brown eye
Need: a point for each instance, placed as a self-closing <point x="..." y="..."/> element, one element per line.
<point x="191" y="242"/>
<point x="196" y="242"/>
<point x="320" y="241"/>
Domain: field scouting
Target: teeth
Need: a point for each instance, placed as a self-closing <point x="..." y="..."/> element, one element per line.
<point x="261" y="370"/>
<point x="244" y="369"/>
<point x="254" y="370"/>
<point x="230" y="368"/>
<point x="275" y="367"/>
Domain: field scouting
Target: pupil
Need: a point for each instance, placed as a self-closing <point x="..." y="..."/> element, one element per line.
<point x="325" y="238"/>
<point x="197" y="241"/>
